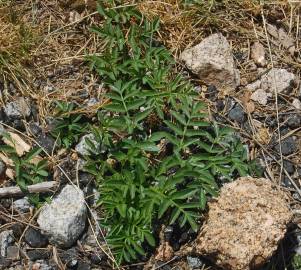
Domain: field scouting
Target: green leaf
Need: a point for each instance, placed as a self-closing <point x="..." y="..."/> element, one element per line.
<point x="115" y="107"/>
<point x="164" y="206"/>
<point x="183" y="194"/>
<point x="150" y="239"/>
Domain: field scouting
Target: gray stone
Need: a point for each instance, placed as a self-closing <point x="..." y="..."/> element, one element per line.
<point x="289" y="166"/>
<point x="63" y="220"/>
<point x="46" y="142"/>
<point x="22" y="205"/>
<point x="42" y="265"/>
<point x="38" y="254"/>
<point x="294" y="121"/>
<point x="278" y="79"/>
<point x="84" y="149"/>
<point x="83" y="265"/>
<point x="35" y="238"/>
<point x="194" y="262"/>
<point x="4" y="263"/>
<point x="212" y="60"/>
<point x="6" y="240"/>
<point x="237" y="114"/>
<point x="69" y="257"/>
<point x="92" y="101"/>
<point x="288" y="146"/>
<point x="17" y="109"/>
<point x="13" y="253"/>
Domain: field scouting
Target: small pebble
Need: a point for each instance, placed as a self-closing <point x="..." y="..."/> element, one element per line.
<point x="294" y="121"/>
<point x="22" y="205"/>
<point x="38" y="254"/>
<point x="237" y="114"/>
<point x="289" y="166"/>
<point x="35" y="238"/>
<point x="194" y="262"/>
<point x="288" y="146"/>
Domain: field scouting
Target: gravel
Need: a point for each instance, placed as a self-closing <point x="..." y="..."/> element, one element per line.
<point x="6" y="240"/>
<point x="17" y="109"/>
<point x="288" y="146"/>
<point x="35" y="238"/>
<point x="22" y="205"/>
<point x="237" y="114"/>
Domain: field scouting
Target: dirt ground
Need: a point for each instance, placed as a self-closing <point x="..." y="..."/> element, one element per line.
<point x="43" y="50"/>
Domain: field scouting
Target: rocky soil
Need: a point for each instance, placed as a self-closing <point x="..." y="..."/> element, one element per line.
<point x="250" y="81"/>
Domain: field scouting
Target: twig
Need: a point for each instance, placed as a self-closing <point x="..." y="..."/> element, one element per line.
<point x="275" y="93"/>
<point x="37" y="188"/>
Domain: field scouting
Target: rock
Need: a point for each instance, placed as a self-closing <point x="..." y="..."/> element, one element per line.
<point x="294" y="121"/>
<point x="297" y="104"/>
<point x="245" y="224"/>
<point x="213" y="62"/>
<point x="277" y="78"/>
<point x="17" y="229"/>
<point x="96" y="259"/>
<point x="17" y="109"/>
<point x="41" y="265"/>
<point x="35" y="128"/>
<point x="35" y="238"/>
<point x="13" y="253"/>
<point x="84" y="149"/>
<point x="83" y="266"/>
<point x="286" y="41"/>
<point x="237" y="114"/>
<point x="69" y="258"/>
<point x="258" y="54"/>
<point x="260" y="96"/>
<point x="6" y="240"/>
<point x="63" y="220"/>
<point x="288" y="166"/>
<point x="4" y="263"/>
<point x="85" y="178"/>
<point x="288" y="146"/>
<point x="22" y="205"/>
<point x="46" y="142"/>
<point x="38" y="254"/>
<point x="286" y="182"/>
<point x="194" y="262"/>
<point x="92" y="102"/>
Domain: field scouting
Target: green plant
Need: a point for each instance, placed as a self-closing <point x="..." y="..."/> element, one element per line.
<point x="68" y="126"/>
<point x="161" y="156"/>
<point x="27" y="170"/>
<point x="296" y="262"/>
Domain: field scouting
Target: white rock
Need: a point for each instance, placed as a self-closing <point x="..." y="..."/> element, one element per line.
<point x="213" y="62"/>
<point x="63" y="220"/>
<point x="260" y="96"/>
<point x="83" y="148"/>
<point x="297" y="103"/>
<point x="254" y="85"/>
<point x="17" y="109"/>
<point x="6" y="240"/>
<point x="277" y="78"/>
<point x="22" y="205"/>
<point x="258" y="54"/>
